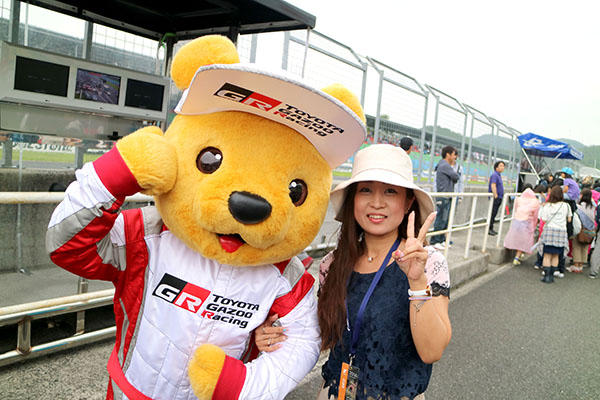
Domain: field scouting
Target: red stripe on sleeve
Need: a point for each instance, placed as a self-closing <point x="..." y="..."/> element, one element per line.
<point x="117" y="375"/>
<point x="281" y="265"/>
<point x="85" y="263"/>
<point x="115" y="175"/>
<point x="92" y="233"/>
<point x="80" y="254"/>
<point x="136" y="252"/>
<point x="286" y="303"/>
<point x="231" y="381"/>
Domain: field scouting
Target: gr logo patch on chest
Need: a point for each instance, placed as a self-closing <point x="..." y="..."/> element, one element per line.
<point x="192" y="298"/>
<point x="181" y="293"/>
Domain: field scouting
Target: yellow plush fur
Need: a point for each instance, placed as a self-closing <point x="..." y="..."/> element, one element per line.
<point x="206" y="50"/>
<point x="259" y="156"/>
<point x="340" y="92"/>
<point x="137" y="151"/>
<point x="204" y="370"/>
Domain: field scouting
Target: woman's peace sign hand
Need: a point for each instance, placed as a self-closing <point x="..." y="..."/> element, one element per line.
<point x="413" y="258"/>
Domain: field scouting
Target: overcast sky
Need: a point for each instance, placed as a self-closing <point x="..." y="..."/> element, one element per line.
<point x="534" y="65"/>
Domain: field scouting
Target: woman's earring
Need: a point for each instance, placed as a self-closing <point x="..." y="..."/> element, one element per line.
<point x="361" y="236"/>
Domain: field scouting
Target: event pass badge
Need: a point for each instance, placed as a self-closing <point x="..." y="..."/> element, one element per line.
<point x="348" y="382"/>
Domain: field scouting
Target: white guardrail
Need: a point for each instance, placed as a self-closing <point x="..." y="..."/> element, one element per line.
<point x="23" y="314"/>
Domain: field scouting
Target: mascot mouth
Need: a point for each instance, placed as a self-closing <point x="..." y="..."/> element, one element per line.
<point x="230" y="243"/>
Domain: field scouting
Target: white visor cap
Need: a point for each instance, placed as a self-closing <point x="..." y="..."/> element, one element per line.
<point x="335" y="130"/>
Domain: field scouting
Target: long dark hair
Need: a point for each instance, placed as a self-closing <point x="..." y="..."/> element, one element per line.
<point x="586" y="197"/>
<point x="332" y="297"/>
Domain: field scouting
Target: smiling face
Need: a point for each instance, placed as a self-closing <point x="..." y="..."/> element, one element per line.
<point x="249" y="191"/>
<point x="379" y="208"/>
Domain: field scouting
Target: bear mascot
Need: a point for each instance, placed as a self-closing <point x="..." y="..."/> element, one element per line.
<point x="241" y="182"/>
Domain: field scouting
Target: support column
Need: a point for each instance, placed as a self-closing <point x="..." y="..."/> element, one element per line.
<point x="13" y="26"/>
<point x="79" y="153"/>
<point x="87" y="40"/>
<point x="234" y="31"/>
<point x="7" y="154"/>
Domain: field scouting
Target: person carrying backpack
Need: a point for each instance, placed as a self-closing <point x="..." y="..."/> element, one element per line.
<point x="581" y="242"/>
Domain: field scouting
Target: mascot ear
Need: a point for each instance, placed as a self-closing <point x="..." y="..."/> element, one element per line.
<point x="206" y="50"/>
<point x="347" y="97"/>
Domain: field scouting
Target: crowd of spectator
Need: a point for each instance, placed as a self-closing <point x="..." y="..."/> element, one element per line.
<point x="556" y="220"/>
<point x="563" y="222"/>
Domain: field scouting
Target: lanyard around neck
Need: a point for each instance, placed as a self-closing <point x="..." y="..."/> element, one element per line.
<point x="365" y="300"/>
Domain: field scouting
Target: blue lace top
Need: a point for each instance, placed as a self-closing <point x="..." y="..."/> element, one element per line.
<point x="390" y="367"/>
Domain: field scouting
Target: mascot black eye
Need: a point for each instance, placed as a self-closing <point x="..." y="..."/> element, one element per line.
<point x="209" y="160"/>
<point x="298" y="191"/>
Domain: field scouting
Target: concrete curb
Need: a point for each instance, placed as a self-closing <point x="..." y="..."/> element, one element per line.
<point x="467" y="270"/>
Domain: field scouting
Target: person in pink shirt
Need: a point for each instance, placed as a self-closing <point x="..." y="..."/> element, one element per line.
<point x="588" y="183"/>
<point x="520" y="236"/>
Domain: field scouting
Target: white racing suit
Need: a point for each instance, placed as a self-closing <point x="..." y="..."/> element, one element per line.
<point x="169" y="299"/>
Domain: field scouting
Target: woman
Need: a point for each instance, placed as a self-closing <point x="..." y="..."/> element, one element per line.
<point x="571" y="188"/>
<point x="403" y="327"/>
<point x="586" y="210"/>
<point x="520" y="236"/>
<point x="554" y="213"/>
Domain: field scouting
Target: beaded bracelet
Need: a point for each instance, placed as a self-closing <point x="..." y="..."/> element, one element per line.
<point x="419" y="298"/>
<point x="419" y="305"/>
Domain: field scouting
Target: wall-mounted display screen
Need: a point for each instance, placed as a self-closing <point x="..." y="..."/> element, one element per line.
<point x="41" y="76"/>
<point x="144" y="95"/>
<point x="97" y="86"/>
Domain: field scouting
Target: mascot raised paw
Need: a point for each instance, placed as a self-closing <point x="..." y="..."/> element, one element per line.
<point x="241" y="182"/>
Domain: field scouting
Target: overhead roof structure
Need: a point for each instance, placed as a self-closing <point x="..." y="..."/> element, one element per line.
<point x="186" y="19"/>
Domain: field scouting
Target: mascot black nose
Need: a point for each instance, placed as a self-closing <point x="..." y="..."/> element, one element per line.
<point x="248" y="208"/>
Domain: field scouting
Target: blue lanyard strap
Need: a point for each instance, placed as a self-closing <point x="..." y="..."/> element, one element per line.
<point x="365" y="300"/>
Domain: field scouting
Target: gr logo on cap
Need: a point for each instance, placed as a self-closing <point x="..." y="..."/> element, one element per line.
<point x="334" y="129"/>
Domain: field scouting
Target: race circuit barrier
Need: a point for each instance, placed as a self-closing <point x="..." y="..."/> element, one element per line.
<point x="22" y="315"/>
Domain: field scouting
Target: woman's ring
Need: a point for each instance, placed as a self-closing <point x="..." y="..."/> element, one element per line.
<point x="263" y="330"/>
<point x="269" y="343"/>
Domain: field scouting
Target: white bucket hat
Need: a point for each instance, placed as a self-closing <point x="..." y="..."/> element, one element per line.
<point x="382" y="163"/>
<point x="334" y="129"/>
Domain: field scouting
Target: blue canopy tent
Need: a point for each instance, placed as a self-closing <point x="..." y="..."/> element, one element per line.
<point x="545" y="147"/>
<point x="536" y="145"/>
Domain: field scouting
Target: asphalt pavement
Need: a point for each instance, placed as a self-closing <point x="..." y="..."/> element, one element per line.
<point x="513" y="338"/>
<point x="517" y="338"/>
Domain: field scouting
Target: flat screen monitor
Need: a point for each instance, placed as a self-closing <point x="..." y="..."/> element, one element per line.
<point x="97" y="86"/>
<point x="144" y="95"/>
<point x="41" y="76"/>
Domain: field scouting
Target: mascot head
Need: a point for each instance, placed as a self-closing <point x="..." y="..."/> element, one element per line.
<point x="255" y="151"/>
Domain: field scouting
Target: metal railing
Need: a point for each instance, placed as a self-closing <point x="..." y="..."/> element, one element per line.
<point x="472" y="223"/>
<point x="22" y="315"/>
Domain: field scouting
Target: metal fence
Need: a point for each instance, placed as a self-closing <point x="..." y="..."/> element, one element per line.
<point x="397" y="100"/>
<point x="23" y="315"/>
<point x="399" y="104"/>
